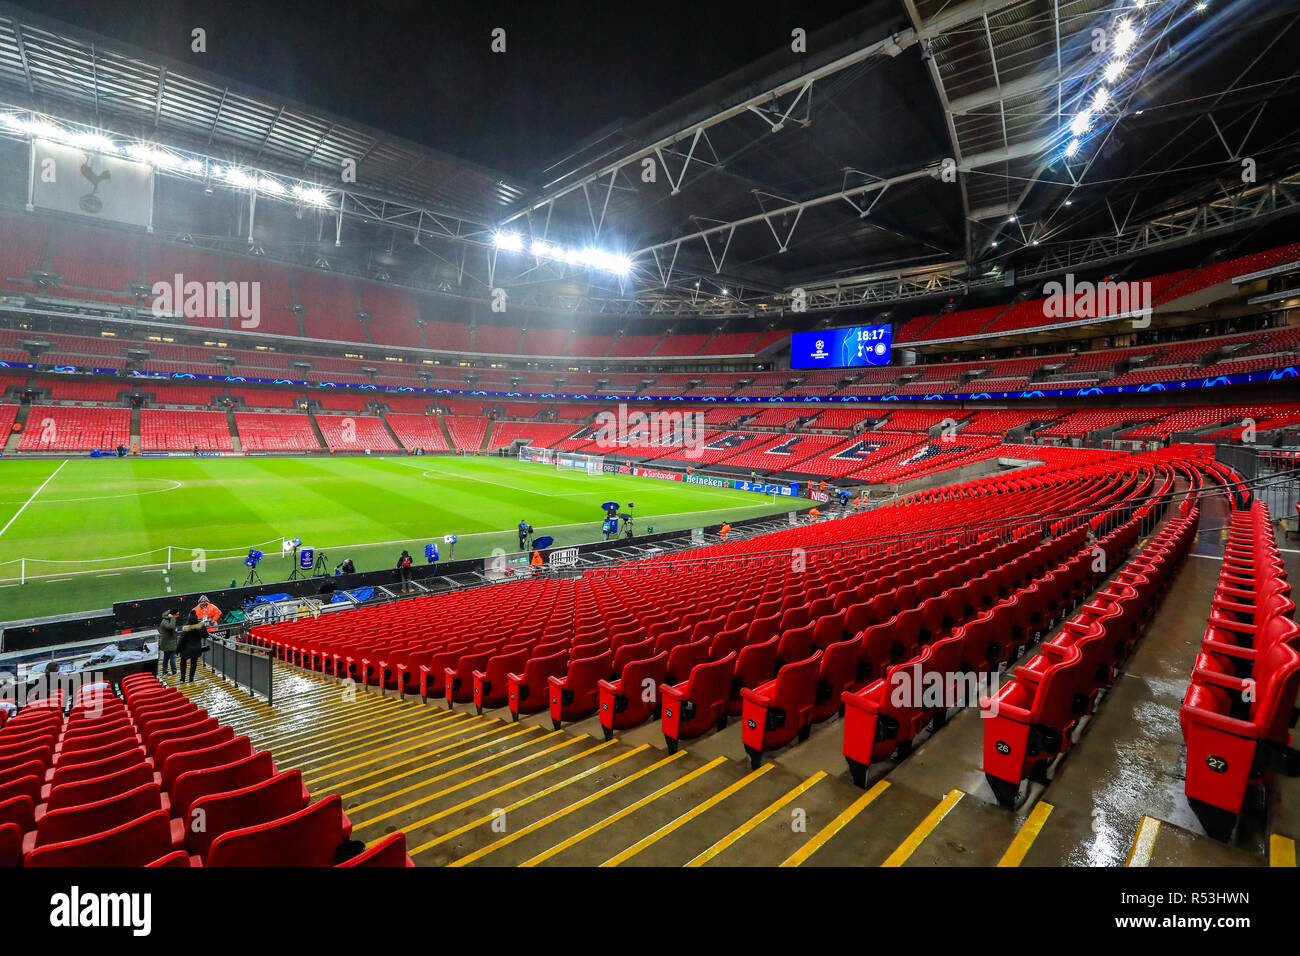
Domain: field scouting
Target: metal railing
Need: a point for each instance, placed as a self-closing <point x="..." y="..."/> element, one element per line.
<point x="244" y="665"/>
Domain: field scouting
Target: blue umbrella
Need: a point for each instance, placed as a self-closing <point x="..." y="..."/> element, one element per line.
<point x="611" y="506"/>
<point x="542" y="543"/>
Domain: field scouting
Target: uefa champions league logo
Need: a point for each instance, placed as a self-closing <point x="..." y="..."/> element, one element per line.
<point x="820" y="353"/>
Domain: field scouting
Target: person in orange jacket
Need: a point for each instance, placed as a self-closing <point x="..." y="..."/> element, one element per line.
<point x="208" y="613"/>
<point x="724" y="531"/>
<point x="536" y="562"/>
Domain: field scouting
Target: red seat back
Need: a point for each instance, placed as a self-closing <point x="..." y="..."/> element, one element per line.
<point x="73" y="823"/>
<point x="82" y="792"/>
<point x="219" y="769"/>
<point x="136" y="843"/>
<point x="390" y="851"/>
<point x="310" y="837"/>
<point x="263" y="802"/>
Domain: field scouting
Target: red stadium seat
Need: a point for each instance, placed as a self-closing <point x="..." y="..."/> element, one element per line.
<point x="778" y="711"/>
<point x="577" y="693"/>
<point x="310" y="837"/>
<point x="136" y="843"/>
<point x="691" y="707"/>
<point x="634" y="697"/>
<point x="73" y="823"/>
<point x="390" y="851"/>
<point x="219" y="813"/>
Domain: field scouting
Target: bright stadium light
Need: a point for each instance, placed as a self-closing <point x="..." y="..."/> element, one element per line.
<point x="590" y="256"/>
<point x="93" y="141"/>
<point x="1114" y="70"/>
<point x="236" y="177"/>
<point x="1082" y="120"/>
<point x="267" y="185"/>
<point x="1100" y="99"/>
<point x="309" y="195"/>
<point x="46" y="130"/>
<point x="1071" y="147"/>
<point x="1125" y="37"/>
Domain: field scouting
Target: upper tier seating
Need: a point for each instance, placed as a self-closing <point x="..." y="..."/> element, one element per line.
<point x="392" y="315"/>
<point x="329" y="306"/>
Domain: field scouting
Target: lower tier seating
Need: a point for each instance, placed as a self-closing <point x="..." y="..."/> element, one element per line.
<point x="149" y="779"/>
<point x="1240" y="704"/>
<point x="1033" y="719"/>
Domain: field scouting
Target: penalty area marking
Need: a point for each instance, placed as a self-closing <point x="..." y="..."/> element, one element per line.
<point x="33" y="497"/>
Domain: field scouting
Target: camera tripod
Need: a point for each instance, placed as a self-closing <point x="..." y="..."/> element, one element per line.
<point x="253" y="578"/>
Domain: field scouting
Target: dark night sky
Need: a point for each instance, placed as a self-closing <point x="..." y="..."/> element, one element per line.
<point x="424" y="70"/>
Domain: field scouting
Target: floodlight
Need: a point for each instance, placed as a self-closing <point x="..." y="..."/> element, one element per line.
<point x="510" y="241"/>
<point x="1079" y="125"/>
<point x="309" y="194"/>
<point x="1114" y="70"/>
<point x="1071" y="147"/>
<point x="1125" y="37"/>
<point x="1100" y="99"/>
<point x="236" y="177"/>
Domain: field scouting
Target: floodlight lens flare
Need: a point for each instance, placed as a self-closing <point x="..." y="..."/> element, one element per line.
<point x="510" y="241"/>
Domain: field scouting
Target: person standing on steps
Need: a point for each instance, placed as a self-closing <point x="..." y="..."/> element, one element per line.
<point x="190" y="649"/>
<point x="168" y="640"/>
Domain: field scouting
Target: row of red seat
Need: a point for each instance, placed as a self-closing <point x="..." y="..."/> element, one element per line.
<point x="1032" y="720"/>
<point x="971" y="629"/>
<point x="1239" y="706"/>
<point x="706" y="630"/>
<point x="149" y="779"/>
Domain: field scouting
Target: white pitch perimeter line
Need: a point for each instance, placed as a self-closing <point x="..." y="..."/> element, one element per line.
<point x="33" y="497"/>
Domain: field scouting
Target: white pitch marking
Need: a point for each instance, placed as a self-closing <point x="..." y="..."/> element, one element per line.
<point x="34" y="494"/>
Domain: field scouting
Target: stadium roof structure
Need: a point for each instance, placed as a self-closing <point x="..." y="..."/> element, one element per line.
<point x="921" y="148"/>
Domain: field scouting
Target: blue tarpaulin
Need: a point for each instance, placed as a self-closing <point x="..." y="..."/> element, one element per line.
<point x="270" y="599"/>
<point x="358" y="594"/>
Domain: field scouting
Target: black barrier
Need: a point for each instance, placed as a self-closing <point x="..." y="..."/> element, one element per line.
<point x="66" y="629"/>
<point x="243" y="665"/>
<point x="145" y="612"/>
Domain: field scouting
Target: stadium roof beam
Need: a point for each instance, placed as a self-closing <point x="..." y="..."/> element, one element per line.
<point x="1246" y="207"/>
<point x="1260" y="94"/>
<point x="953" y="139"/>
<point x="889" y="46"/>
<point x="928" y="172"/>
<point x="997" y="95"/>
<point x="22" y="57"/>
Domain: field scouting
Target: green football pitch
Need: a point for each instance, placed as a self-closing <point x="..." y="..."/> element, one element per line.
<point x="87" y="532"/>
